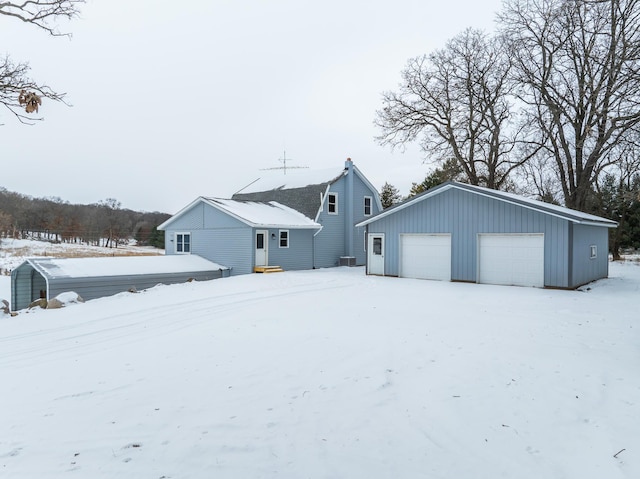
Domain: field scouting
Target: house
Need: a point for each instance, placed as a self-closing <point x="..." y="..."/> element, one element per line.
<point x="94" y="278"/>
<point x="303" y="219"/>
<point x="460" y="232"/>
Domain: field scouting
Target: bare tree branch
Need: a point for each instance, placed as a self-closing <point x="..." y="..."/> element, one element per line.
<point x="19" y="93"/>
<point x="42" y="12"/>
<point x="578" y="63"/>
<point x="456" y="103"/>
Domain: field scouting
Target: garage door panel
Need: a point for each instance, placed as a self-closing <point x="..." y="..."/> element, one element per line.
<point x="425" y="256"/>
<point x="511" y="259"/>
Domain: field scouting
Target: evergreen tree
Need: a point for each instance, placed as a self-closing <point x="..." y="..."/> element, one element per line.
<point x="449" y="171"/>
<point x="389" y="195"/>
<point x="619" y="200"/>
<point x="156" y="238"/>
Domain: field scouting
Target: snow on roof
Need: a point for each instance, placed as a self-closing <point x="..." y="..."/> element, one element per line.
<point x="263" y="214"/>
<point x="567" y="213"/>
<point x="297" y="178"/>
<point x="561" y="210"/>
<point x="122" y="265"/>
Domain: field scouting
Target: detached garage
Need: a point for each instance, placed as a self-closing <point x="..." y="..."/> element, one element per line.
<point x="105" y="276"/>
<point x="459" y="232"/>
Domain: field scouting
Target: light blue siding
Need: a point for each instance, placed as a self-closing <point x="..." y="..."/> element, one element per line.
<point x="333" y="241"/>
<point x="215" y="236"/>
<point x="585" y="268"/>
<point x="230" y="247"/>
<point x="223" y="239"/>
<point x="360" y="190"/>
<point x="299" y="254"/>
<point x="465" y="215"/>
<point x="329" y="242"/>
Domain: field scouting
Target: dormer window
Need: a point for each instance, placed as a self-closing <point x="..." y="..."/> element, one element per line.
<point x="332" y="203"/>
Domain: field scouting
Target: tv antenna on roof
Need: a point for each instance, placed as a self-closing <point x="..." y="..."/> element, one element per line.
<point x="284" y="166"/>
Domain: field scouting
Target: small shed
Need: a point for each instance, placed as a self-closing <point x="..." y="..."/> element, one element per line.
<point x="460" y="232"/>
<point x="94" y="278"/>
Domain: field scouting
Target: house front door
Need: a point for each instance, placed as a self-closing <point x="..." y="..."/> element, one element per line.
<point x="375" y="254"/>
<point x="262" y="248"/>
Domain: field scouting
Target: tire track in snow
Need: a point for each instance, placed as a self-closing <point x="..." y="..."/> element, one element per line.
<point x="61" y="343"/>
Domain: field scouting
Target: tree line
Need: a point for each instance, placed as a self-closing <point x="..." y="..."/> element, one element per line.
<point x="104" y="223"/>
<point x="548" y="106"/>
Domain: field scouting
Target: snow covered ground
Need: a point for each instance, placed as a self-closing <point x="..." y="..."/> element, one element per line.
<point x="326" y="374"/>
<point x="14" y="251"/>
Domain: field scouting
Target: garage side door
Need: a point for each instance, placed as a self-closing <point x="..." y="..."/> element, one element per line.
<point x="425" y="256"/>
<point x="511" y="259"/>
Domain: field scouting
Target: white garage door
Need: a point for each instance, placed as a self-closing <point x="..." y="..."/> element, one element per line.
<point x="425" y="256"/>
<point x="512" y="259"/>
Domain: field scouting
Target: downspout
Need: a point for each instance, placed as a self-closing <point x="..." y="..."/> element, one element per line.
<point x="313" y="246"/>
<point x="323" y="198"/>
<point x="570" y="255"/>
<point x="366" y="249"/>
<point x="349" y="227"/>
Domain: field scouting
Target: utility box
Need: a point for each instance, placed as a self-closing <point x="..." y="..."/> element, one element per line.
<point x="347" y="260"/>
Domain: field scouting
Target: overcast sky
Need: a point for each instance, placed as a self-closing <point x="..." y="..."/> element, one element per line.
<point x="173" y="100"/>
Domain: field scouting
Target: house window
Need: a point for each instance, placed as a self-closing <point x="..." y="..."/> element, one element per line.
<point x="284" y="238"/>
<point x="594" y="251"/>
<point x="183" y="243"/>
<point x="367" y="205"/>
<point x="332" y="203"/>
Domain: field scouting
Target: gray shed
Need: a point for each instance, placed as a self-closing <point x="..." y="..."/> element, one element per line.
<point x="105" y="276"/>
<point x="460" y="232"/>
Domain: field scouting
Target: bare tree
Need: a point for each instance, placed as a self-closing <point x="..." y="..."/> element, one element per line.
<point x="18" y="92"/>
<point x="456" y="102"/>
<point x="578" y="65"/>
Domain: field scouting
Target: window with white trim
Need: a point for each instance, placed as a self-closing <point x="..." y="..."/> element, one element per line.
<point x="593" y="251"/>
<point x="284" y="238"/>
<point x="367" y="205"/>
<point x="332" y="203"/>
<point x="183" y="243"/>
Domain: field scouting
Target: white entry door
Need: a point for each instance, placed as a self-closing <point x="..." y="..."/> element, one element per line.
<point x="262" y="249"/>
<point x="375" y="254"/>
<point x="425" y="256"/>
<point x="511" y="259"/>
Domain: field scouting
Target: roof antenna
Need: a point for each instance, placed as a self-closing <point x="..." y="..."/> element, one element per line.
<point x="283" y="160"/>
<point x="284" y="166"/>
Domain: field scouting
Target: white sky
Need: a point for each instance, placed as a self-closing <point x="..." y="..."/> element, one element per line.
<point x="172" y="101"/>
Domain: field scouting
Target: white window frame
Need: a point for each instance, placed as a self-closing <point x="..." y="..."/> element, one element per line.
<point x="180" y="244"/>
<point x="370" y="198"/>
<point x="593" y="251"/>
<point x="335" y="203"/>
<point x="286" y="232"/>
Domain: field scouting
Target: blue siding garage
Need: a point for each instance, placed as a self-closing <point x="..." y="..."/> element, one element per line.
<point x="495" y="237"/>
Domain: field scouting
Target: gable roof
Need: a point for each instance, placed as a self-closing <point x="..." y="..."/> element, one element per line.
<point x="300" y="189"/>
<point x="121" y="266"/>
<point x="253" y="213"/>
<point x="547" y="208"/>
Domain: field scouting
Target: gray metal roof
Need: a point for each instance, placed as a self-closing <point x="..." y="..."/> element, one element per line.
<point x="300" y="190"/>
<point x="554" y="210"/>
